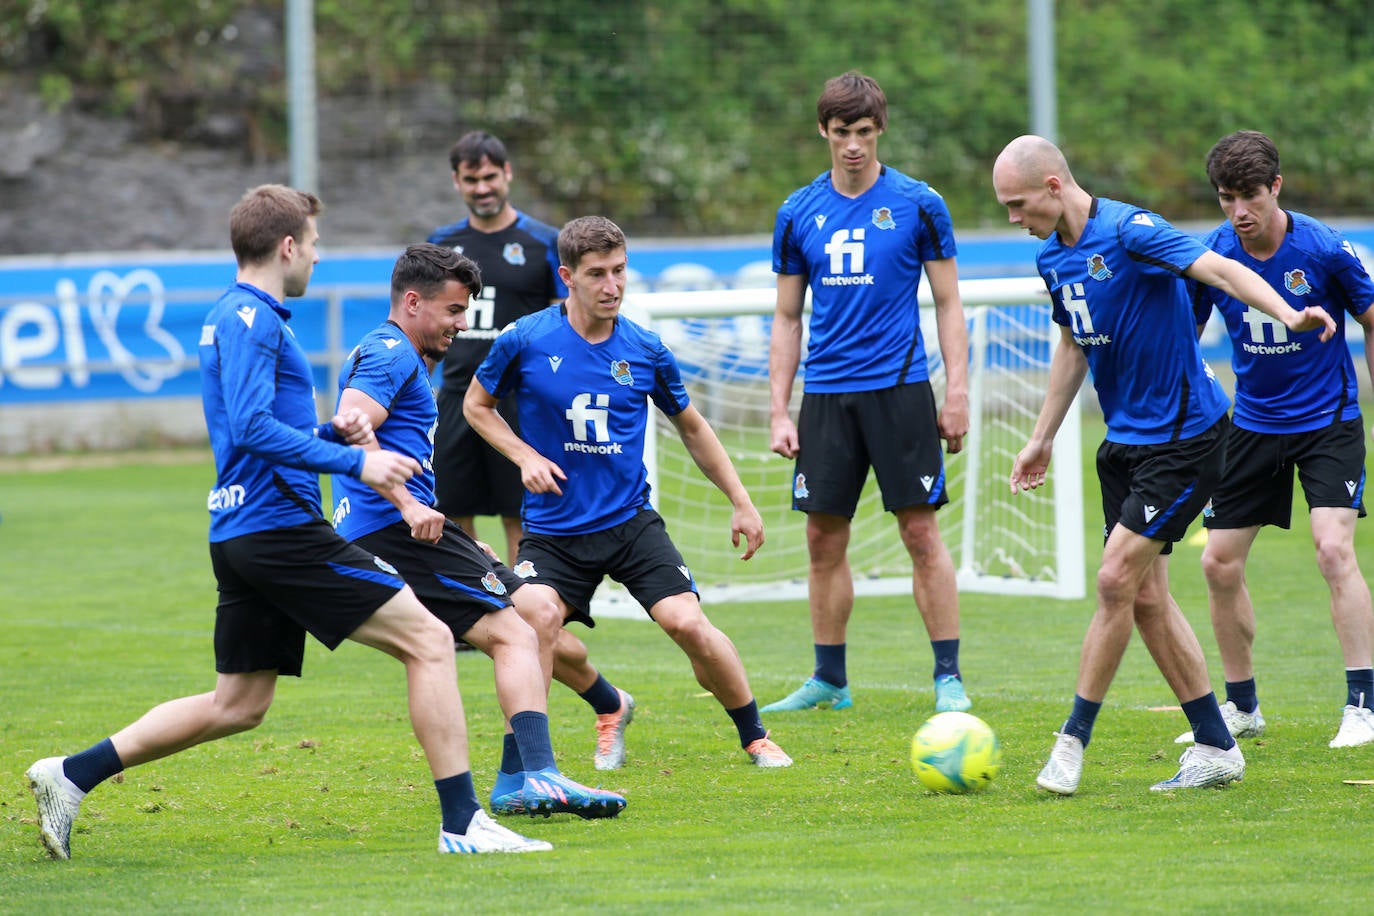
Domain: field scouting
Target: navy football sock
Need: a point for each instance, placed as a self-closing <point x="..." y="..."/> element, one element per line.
<point x="1208" y="726"/>
<point x="602" y="696"/>
<point x="93" y="766"/>
<point x="1242" y="693"/>
<point x="748" y="723"/>
<point x="532" y="735"/>
<point x="946" y="657"/>
<point x="830" y="665"/>
<point x="1359" y="687"/>
<point x="457" y="801"/>
<point x="1081" y="721"/>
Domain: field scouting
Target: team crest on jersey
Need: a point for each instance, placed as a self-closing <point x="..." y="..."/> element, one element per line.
<point x="620" y="371"/>
<point x="525" y="569"/>
<point x="1097" y="267"/>
<point x="799" y="490"/>
<point x="384" y="566"/>
<point x="882" y="218"/>
<point x="1295" y="281"/>
<point x="514" y="253"/>
<point x="492" y="583"/>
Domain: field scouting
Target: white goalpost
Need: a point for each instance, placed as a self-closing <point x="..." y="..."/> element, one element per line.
<point x="1022" y="544"/>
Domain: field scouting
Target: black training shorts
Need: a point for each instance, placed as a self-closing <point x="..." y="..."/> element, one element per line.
<point x="893" y="430"/>
<point x="638" y="554"/>
<point x="455" y="579"/>
<point x="275" y="586"/>
<point x="1257" y="488"/>
<point x="1157" y="490"/>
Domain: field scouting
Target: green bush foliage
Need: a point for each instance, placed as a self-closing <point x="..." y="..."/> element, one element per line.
<point x="697" y="116"/>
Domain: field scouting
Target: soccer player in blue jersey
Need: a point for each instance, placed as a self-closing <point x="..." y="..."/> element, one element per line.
<point x="518" y="257"/>
<point x="1115" y="275"/>
<point x="386" y="379"/>
<point x="585" y="376"/>
<point x="859" y="236"/>
<point x="1297" y="405"/>
<point x="282" y="570"/>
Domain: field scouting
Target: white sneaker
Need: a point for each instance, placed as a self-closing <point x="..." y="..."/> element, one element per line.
<point x="485" y="835"/>
<point x="1203" y="765"/>
<point x="58" y="801"/>
<point x="1357" y="727"/>
<point x="1065" y="766"/>
<point x="1239" y="724"/>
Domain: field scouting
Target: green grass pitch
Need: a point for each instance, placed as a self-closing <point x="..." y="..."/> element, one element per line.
<point x="107" y="609"/>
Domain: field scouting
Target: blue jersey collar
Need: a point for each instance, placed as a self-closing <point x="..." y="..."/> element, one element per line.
<point x="277" y="307"/>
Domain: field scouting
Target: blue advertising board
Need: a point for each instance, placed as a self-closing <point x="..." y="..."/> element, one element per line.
<point x="100" y="326"/>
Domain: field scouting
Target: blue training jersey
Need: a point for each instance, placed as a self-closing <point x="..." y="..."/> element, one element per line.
<point x="585" y="407"/>
<point x="386" y="367"/>
<point x="862" y="258"/>
<point x="258" y="391"/>
<point x="1120" y="290"/>
<point x="1286" y="381"/>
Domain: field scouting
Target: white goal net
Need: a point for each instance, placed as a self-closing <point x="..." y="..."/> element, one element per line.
<point x="1029" y="543"/>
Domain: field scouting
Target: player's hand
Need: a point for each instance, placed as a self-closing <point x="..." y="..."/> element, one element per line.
<point x="385" y="469"/>
<point x="953" y="423"/>
<point x="486" y="549"/>
<point x="748" y="524"/>
<point x="354" y="427"/>
<point x="540" y="475"/>
<point x="783" y="439"/>
<point x="426" y="523"/>
<point x="1312" y="317"/>
<point x="1031" y="466"/>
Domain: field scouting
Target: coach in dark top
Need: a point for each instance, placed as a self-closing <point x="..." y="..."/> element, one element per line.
<point x="518" y="256"/>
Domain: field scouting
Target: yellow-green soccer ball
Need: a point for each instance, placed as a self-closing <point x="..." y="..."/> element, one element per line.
<point x="955" y="752"/>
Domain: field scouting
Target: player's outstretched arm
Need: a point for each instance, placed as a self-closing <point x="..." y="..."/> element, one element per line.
<point x="1239" y="281"/>
<point x="537" y="473"/>
<point x="705" y="448"/>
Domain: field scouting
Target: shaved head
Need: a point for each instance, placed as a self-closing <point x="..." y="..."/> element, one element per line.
<point x="1032" y="180"/>
<point x="1029" y="160"/>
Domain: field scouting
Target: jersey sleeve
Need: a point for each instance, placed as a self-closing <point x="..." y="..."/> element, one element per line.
<point x="936" y="242"/>
<point x="1156" y="245"/>
<point x="669" y="394"/>
<point x="379" y="374"/>
<point x="1351" y="275"/>
<point x="248" y="363"/>
<point x="497" y="373"/>
<point x="787" y="253"/>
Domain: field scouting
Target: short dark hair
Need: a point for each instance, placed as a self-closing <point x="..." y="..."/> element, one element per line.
<point x="425" y="268"/>
<point x="850" y="97"/>
<point x="1243" y="162"/>
<point x="474" y="146"/>
<point x="585" y="235"/>
<point x="264" y="216"/>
